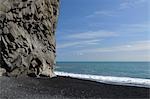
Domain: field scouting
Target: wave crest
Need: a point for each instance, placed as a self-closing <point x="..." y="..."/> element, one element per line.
<point x="109" y="79"/>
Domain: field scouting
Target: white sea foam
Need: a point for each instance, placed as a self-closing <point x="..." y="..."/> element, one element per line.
<point x="109" y="79"/>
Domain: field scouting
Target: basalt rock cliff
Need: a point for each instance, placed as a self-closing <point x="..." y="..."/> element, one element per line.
<point x="27" y="36"/>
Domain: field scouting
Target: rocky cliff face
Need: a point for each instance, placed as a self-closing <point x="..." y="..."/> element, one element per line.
<point x="27" y="36"/>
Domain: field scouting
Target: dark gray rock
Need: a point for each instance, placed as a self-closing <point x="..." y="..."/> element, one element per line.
<point x="27" y="36"/>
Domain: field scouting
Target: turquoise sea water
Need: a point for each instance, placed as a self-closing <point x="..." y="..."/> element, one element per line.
<point x="115" y="69"/>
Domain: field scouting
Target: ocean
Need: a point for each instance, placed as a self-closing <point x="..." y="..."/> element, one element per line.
<point x="127" y="73"/>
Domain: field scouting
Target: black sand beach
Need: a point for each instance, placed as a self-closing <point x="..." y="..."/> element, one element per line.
<point x="65" y="87"/>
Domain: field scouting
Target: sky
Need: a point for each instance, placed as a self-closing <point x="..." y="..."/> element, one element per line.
<point x="103" y="30"/>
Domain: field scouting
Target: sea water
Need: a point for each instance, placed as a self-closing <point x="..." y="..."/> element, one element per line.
<point x="124" y="73"/>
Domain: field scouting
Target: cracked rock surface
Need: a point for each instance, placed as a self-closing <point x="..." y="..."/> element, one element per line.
<point x="27" y="36"/>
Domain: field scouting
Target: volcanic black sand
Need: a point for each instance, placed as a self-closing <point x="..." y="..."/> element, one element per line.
<point x="65" y="87"/>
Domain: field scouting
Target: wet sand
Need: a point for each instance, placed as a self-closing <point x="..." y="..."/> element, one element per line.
<point x="65" y="88"/>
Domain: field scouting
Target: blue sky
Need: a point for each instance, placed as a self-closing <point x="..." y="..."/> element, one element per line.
<point x="103" y="30"/>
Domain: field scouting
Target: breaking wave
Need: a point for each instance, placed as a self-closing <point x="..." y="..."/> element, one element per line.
<point x="109" y="79"/>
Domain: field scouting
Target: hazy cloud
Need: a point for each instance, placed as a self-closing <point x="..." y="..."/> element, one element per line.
<point x="101" y="13"/>
<point x="124" y="5"/>
<point x="132" y="46"/>
<point x="131" y="3"/>
<point x="127" y="28"/>
<point x="93" y="37"/>
<point x="78" y="43"/>
<point x="134" y="28"/>
<point x="92" y="34"/>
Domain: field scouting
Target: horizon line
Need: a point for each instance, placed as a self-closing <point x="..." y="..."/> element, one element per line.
<point x="102" y="61"/>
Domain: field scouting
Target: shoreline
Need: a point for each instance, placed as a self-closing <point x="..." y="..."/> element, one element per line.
<point x="61" y="87"/>
<point x="128" y="81"/>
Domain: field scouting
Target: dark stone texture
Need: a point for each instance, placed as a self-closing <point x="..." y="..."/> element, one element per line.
<point x="27" y="36"/>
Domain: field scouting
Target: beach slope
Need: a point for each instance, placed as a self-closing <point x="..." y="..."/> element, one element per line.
<point x="65" y="87"/>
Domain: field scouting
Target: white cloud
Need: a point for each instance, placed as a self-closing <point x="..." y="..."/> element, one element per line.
<point x="124" y="5"/>
<point x="92" y="35"/>
<point x="132" y="46"/>
<point x="127" y="28"/>
<point x="78" y="43"/>
<point x="137" y="25"/>
<point x="134" y="28"/>
<point x="131" y="3"/>
<point x="92" y="38"/>
<point x="85" y="39"/>
<point x="103" y="13"/>
<point x="102" y="34"/>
